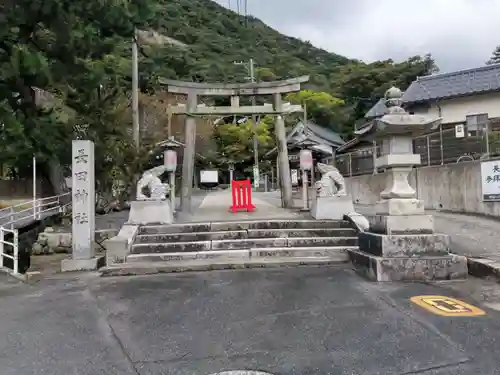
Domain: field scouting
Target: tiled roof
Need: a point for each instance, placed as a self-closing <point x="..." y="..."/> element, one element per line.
<point x="312" y="135"/>
<point x="324" y="133"/>
<point x="455" y="84"/>
<point x="378" y="110"/>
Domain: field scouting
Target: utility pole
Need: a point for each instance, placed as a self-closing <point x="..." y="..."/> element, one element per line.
<point x="135" y="92"/>
<point x="251" y="76"/>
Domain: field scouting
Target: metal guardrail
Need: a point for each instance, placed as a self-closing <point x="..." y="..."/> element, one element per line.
<point x="23" y="214"/>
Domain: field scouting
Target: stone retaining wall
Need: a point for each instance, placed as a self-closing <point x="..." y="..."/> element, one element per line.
<point x="453" y="187"/>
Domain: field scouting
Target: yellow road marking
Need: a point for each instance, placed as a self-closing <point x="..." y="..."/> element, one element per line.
<point x="446" y="306"/>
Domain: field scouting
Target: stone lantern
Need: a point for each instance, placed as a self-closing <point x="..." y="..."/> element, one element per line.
<point x="401" y="243"/>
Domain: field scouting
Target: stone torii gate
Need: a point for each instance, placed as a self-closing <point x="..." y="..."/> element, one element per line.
<point x="193" y="90"/>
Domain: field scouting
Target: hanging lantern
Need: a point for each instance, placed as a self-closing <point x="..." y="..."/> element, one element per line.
<point x="170" y="160"/>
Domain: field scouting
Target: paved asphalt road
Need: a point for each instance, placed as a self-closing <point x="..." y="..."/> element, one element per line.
<point x="289" y="321"/>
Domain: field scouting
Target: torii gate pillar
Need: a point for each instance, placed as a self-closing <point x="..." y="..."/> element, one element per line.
<point x="189" y="153"/>
<point x="283" y="161"/>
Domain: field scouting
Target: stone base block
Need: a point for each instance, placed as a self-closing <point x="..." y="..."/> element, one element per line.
<point x="118" y="247"/>
<point x="150" y="212"/>
<point x="91" y="264"/>
<point x="425" y="268"/>
<point x="410" y="245"/>
<point x="402" y="224"/>
<point x="397" y="207"/>
<point x="361" y="222"/>
<point x="332" y="208"/>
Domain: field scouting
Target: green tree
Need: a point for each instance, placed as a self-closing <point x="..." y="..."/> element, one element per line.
<point x="235" y="141"/>
<point x="73" y="53"/>
<point x="322" y="108"/>
<point x="495" y="57"/>
<point x="362" y="85"/>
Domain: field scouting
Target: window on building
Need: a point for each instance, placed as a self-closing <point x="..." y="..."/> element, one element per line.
<point x="476" y="124"/>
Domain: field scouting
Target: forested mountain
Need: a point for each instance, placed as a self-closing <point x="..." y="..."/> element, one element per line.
<point x="80" y="52"/>
<point x="217" y="37"/>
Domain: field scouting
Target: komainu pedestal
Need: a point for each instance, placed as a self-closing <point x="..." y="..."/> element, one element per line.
<point x="400" y="243"/>
<point x="152" y="205"/>
<point x="332" y="201"/>
<point x="332" y="208"/>
<point x="150" y="212"/>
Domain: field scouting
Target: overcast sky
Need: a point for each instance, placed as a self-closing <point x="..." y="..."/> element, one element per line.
<point x="460" y="34"/>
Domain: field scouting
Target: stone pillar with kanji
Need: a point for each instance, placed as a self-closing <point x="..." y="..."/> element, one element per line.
<point x="83" y="209"/>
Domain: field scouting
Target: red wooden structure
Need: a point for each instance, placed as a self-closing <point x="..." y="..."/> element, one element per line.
<point x="242" y="196"/>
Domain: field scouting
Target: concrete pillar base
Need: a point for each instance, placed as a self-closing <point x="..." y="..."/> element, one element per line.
<point x="68" y="265"/>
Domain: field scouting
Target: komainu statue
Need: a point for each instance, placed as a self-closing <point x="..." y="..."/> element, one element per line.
<point x="151" y="180"/>
<point x="332" y="183"/>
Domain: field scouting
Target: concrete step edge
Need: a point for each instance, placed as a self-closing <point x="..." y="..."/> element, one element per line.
<point x="242" y="252"/>
<point x="378" y="257"/>
<point x="206" y="265"/>
<point x="299" y="230"/>
<point x="289" y="242"/>
<point x="200" y="223"/>
<point x="248" y="254"/>
<point x="286" y="230"/>
<point x="189" y="255"/>
<point x="305" y="248"/>
<point x="142" y="235"/>
<point x="242" y="223"/>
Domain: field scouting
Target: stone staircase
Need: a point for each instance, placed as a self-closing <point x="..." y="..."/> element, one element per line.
<point x="244" y="244"/>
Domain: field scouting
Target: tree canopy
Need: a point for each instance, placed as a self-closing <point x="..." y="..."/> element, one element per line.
<point x="495" y="57"/>
<point x="78" y="55"/>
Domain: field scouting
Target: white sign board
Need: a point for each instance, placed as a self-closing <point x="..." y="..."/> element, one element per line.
<point x="83" y="199"/>
<point x="459" y="131"/>
<point x="209" y="177"/>
<point x="256" y="177"/>
<point x="306" y="160"/>
<point x="490" y="180"/>
<point x="170" y="160"/>
<point x="295" y="176"/>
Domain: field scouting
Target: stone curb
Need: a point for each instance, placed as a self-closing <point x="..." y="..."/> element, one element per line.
<point x="483" y="267"/>
<point x="170" y="267"/>
<point x="30" y="277"/>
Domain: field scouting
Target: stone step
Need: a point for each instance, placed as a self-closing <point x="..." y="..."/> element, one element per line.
<point x="339" y="253"/>
<point x="190" y="246"/>
<point x="188" y="237"/>
<point x="243" y="234"/>
<point x="243" y="225"/>
<point x="301" y="232"/>
<point x="150" y="268"/>
<point x="189" y="255"/>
